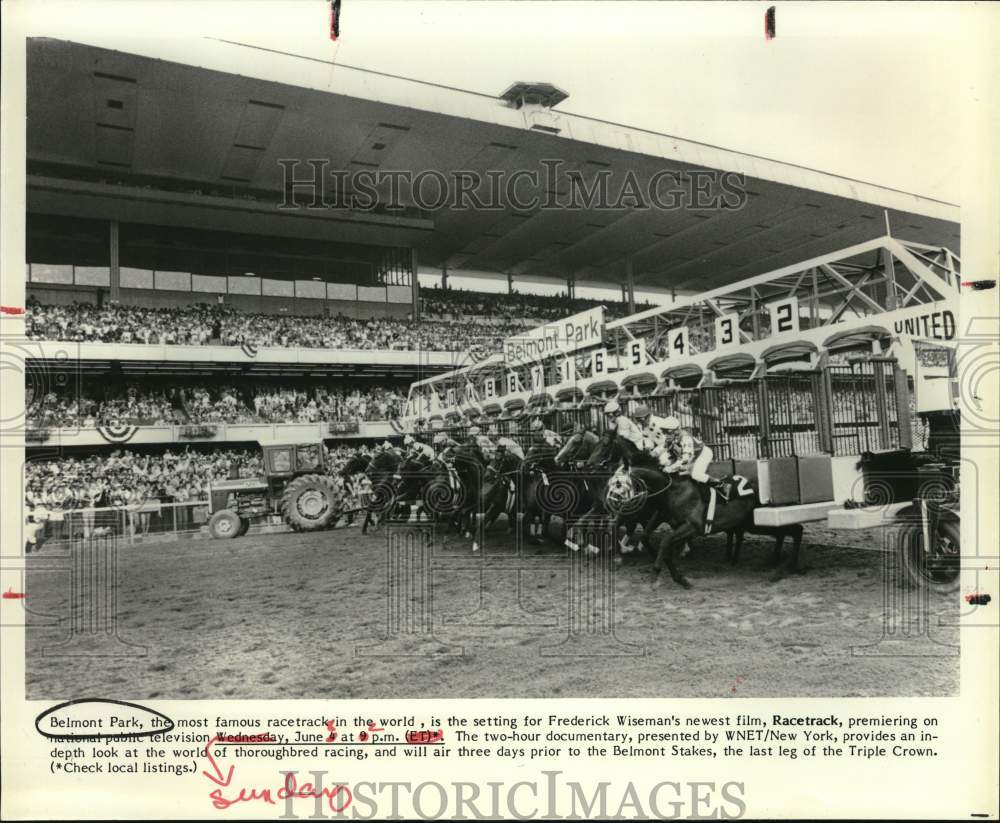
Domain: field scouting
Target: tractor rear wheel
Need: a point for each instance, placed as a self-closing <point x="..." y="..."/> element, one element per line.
<point x="225" y="524"/>
<point x="309" y="502"/>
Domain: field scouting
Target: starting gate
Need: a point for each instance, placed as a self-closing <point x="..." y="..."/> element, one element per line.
<point x="788" y="414"/>
<point x="863" y="408"/>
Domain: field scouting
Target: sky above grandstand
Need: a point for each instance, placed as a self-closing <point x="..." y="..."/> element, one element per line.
<point x="867" y="91"/>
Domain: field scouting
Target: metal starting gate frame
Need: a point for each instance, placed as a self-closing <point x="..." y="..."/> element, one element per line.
<point x="802" y="360"/>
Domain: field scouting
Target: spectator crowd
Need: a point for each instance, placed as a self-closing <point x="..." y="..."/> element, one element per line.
<point x="143" y="404"/>
<point x="514" y="307"/>
<point x="203" y="325"/>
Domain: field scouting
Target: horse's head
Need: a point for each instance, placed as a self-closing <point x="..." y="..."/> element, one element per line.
<point x="384" y="462"/>
<point x="358" y="463"/>
<point x="605" y="450"/>
<point x="620" y="490"/>
<point x="579" y="446"/>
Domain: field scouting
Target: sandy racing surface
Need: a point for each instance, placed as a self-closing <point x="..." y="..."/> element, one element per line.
<point x="281" y="615"/>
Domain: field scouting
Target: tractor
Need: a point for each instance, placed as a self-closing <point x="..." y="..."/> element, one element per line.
<point x="294" y="488"/>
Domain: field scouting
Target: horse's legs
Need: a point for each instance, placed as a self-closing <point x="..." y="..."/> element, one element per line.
<point x="796" y="531"/>
<point x="627" y="544"/>
<point x="734" y="543"/>
<point x="669" y="550"/>
<point x="779" y="540"/>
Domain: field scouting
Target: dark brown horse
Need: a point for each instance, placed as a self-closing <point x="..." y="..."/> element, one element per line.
<point x="681" y="514"/>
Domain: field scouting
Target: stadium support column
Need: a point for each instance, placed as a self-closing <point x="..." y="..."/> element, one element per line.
<point x="114" y="267"/>
<point x="630" y="285"/>
<point x="510" y="283"/>
<point x="444" y="277"/>
<point x="414" y="285"/>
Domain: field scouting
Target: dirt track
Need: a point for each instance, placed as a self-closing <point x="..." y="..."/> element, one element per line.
<point x="280" y="616"/>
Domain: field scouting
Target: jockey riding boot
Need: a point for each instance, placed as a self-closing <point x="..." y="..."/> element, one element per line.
<point x="720" y="487"/>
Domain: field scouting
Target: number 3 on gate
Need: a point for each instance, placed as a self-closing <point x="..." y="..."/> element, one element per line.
<point x="727" y="330"/>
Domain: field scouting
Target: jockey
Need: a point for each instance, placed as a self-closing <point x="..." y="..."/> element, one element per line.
<point x="683" y="453"/>
<point x="543" y="438"/>
<point x="418" y="452"/>
<point x="634" y="431"/>
<point x="647" y="424"/>
<point x="481" y="442"/>
<point x="506" y="445"/>
<point x="623" y="425"/>
<point x="443" y="445"/>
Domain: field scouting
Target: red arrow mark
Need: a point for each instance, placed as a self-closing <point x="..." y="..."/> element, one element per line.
<point x="217" y="777"/>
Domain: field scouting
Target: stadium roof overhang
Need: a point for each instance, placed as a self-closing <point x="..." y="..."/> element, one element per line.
<point x="156" y="131"/>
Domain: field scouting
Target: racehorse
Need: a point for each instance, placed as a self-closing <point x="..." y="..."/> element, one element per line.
<point x="594" y="456"/>
<point x="459" y="496"/>
<point x="381" y="471"/>
<point x="500" y="492"/>
<point x="358" y="464"/>
<point x="640" y="497"/>
<point x="535" y="501"/>
<point x="682" y="510"/>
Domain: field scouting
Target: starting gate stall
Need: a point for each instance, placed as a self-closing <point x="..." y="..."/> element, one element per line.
<point x="861" y="384"/>
<point x="569" y="411"/>
<point x="512" y="410"/>
<point x="678" y="396"/>
<point x="791" y="401"/>
<point x="599" y="393"/>
<point x="492" y="412"/>
<point x="730" y="408"/>
<point x="454" y="425"/>
<point x="635" y="390"/>
<point x="541" y="405"/>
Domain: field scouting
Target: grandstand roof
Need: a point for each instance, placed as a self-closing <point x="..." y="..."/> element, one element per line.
<point x="154" y="131"/>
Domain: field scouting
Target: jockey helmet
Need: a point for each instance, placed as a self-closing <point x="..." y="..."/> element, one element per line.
<point x="408" y="440"/>
<point x="474" y="431"/>
<point x="536" y="424"/>
<point x="439" y="438"/>
<point x="670" y="424"/>
<point x="386" y="445"/>
<point x="612" y="407"/>
<point x="641" y="412"/>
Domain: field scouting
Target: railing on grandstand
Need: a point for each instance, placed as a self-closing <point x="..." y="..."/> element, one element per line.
<point x="131" y="524"/>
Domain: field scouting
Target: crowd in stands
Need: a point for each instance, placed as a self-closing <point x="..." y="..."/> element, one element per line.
<point x="458" y="303"/>
<point x="140" y="484"/>
<point x="203" y="325"/>
<point x="144" y="404"/>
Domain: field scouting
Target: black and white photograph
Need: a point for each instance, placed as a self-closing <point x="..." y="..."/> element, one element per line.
<point x="392" y="351"/>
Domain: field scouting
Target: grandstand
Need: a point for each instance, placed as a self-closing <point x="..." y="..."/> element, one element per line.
<point x="185" y="303"/>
